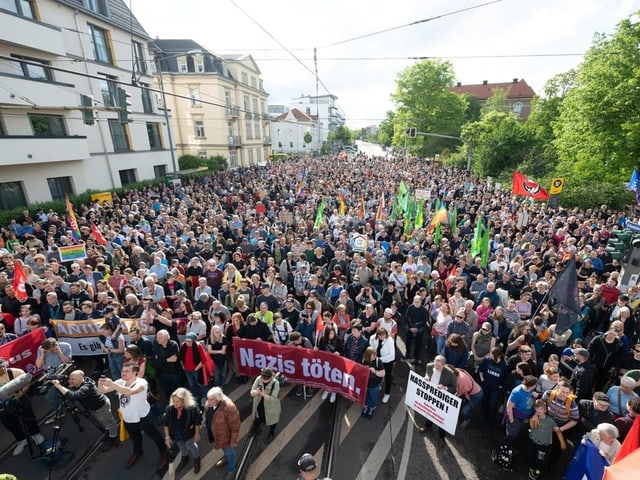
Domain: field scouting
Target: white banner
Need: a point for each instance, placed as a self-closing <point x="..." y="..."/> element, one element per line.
<point x="439" y="406"/>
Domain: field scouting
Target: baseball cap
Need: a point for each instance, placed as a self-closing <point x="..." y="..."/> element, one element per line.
<point x="307" y="463"/>
<point x="601" y="397"/>
<point x="486" y="326"/>
<point x="389" y="311"/>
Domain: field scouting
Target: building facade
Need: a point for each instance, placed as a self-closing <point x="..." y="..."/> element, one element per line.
<point x="519" y="94"/>
<point x="56" y="57"/>
<point x="288" y="131"/>
<point x="325" y="109"/>
<point x="218" y="103"/>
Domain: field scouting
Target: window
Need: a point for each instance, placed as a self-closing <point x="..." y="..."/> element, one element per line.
<point x="101" y="44"/>
<point x="291" y="132"/>
<point x="182" y="66"/>
<point x="199" y="124"/>
<point x="199" y="66"/>
<point x="194" y="93"/>
<point x="251" y="156"/>
<point x="139" y="64"/>
<point x="290" y="144"/>
<point x="308" y="110"/>
<point x="227" y="98"/>
<point x="202" y="154"/>
<point x="47" y="125"/>
<point x="59" y="186"/>
<point x="147" y="106"/>
<point x="12" y="195"/>
<point x="119" y="136"/>
<point x="24" y="8"/>
<point x="245" y="78"/>
<point x="517" y="108"/>
<point x="256" y="130"/>
<point x="21" y="68"/>
<point x="128" y="176"/>
<point x="247" y="127"/>
<point x="254" y="83"/>
<point x="230" y="129"/>
<point x="109" y="91"/>
<point x="246" y="103"/>
<point x="155" y="137"/>
<point x="255" y="105"/>
<point x="3" y="131"/>
<point x="233" y="158"/>
<point x="97" y="6"/>
<point x="160" y="171"/>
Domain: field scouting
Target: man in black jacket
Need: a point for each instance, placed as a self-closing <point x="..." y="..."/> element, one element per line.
<point x="416" y="322"/>
<point x="582" y="376"/>
<point x="84" y="391"/>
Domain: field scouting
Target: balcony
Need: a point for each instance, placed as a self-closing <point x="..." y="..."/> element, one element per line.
<point x="235" y="141"/>
<point x="266" y="140"/>
<point x="20" y="150"/>
<point x="232" y="112"/>
<point x="41" y="93"/>
<point x="31" y="34"/>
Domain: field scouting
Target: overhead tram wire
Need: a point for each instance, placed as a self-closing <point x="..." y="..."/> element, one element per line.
<point x="417" y="22"/>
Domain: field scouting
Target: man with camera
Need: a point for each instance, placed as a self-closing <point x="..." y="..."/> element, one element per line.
<point x="85" y="391"/>
<point x="52" y="354"/>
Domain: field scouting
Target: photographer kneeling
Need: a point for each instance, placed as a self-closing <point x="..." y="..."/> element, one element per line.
<point x="85" y="392"/>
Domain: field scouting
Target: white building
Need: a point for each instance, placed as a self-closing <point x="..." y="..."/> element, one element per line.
<point x="289" y="129"/>
<point x="324" y="108"/>
<point x="51" y="54"/>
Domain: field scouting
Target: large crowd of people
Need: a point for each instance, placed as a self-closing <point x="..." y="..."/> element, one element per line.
<point x="243" y="253"/>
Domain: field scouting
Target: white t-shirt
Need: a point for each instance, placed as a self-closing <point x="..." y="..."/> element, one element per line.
<point x="134" y="407"/>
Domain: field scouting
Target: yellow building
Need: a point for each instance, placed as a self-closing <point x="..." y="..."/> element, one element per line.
<point x="217" y="104"/>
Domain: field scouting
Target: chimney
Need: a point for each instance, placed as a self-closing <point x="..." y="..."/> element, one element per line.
<point x="459" y="84"/>
<point x="515" y="80"/>
<point x="484" y="82"/>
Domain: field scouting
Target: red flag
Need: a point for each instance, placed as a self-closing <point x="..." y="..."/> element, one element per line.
<point x="19" y="282"/>
<point x="528" y="188"/>
<point x="97" y="235"/>
<point x="631" y="441"/>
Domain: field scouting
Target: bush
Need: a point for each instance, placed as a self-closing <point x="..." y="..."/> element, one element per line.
<point x="187" y="162"/>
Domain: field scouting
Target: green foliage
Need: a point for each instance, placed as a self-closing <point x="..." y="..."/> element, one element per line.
<point x="342" y="135"/>
<point x="497" y="102"/>
<point x="187" y="162"/>
<point x="598" y="131"/>
<point x="307" y="138"/>
<point x="385" y="137"/>
<point x="594" y="194"/>
<point x="424" y="99"/>
<point x="474" y="107"/>
<point x="278" y="156"/>
<point x="500" y="142"/>
<point x="217" y="163"/>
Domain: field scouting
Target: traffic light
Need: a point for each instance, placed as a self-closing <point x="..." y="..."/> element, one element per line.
<point x="88" y="113"/>
<point x="412" y="132"/>
<point x="124" y="102"/>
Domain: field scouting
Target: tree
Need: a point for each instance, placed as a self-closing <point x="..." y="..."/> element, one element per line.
<point x="598" y="131"/>
<point x="342" y="135"/>
<point x="500" y="142"/>
<point x="187" y="162"/>
<point x="424" y="99"/>
<point x="385" y="136"/>
<point x="497" y="102"/>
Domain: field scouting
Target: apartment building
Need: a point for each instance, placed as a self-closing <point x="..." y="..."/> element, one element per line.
<point x="218" y="103"/>
<point x="56" y="57"/>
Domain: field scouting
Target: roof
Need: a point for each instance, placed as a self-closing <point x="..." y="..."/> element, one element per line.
<point x="119" y="15"/>
<point x="176" y="45"/>
<point x="484" y="91"/>
<point x="297" y="114"/>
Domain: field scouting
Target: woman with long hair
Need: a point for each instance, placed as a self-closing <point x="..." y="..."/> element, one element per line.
<point x="456" y="351"/>
<point x="376" y="374"/>
<point x="386" y="351"/>
<point x="217" y="348"/>
<point x="182" y="420"/>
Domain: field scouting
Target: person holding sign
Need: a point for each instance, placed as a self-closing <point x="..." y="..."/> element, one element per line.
<point x="439" y="375"/>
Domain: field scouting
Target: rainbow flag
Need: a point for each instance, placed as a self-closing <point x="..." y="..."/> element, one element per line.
<point x="362" y="209"/>
<point x="72" y="252"/>
<point x="342" y="206"/>
<point x="300" y="187"/>
<point x="441" y="216"/>
<point x="73" y="223"/>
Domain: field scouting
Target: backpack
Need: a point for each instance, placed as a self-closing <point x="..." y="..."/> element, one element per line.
<point x="567" y="403"/>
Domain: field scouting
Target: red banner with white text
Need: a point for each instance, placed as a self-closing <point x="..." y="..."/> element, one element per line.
<point x="23" y="351"/>
<point x="301" y="365"/>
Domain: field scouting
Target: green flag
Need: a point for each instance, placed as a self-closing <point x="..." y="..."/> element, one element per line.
<point x="477" y="238"/>
<point x="319" y="215"/>
<point x="436" y="235"/>
<point x="484" y="248"/>
<point x="403" y="196"/>
<point x="420" y="214"/>
<point x="394" y="210"/>
<point x="454" y="222"/>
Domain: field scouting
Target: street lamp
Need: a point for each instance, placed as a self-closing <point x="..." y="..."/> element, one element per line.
<point x="164" y="101"/>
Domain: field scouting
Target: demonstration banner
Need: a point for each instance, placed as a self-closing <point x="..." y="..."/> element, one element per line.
<point x="82" y="335"/>
<point x="305" y="366"/>
<point x="23" y="351"/>
<point x="439" y="406"/>
<point x="72" y="252"/>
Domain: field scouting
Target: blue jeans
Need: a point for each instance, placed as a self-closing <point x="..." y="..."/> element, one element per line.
<point x="116" y="360"/>
<point x="52" y="397"/>
<point x="371" y="401"/>
<point x="441" y="341"/>
<point x="192" y="381"/>
<point x="469" y="405"/>
<point x="230" y="455"/>
<point x="220" y="375"/>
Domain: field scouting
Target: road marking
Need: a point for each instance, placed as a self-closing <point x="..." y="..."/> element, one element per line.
<point x="260" y="464"/>
<point x="378" y="455"/>
<point x="406" y="451"/>
<point x="349" y="420"/>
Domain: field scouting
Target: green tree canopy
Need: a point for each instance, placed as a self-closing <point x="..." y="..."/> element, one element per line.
<point x="598" y="131"/>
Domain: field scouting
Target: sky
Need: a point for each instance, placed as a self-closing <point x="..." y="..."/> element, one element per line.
<point x="496" y="41"/>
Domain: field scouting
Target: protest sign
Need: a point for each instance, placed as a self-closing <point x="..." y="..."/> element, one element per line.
<point x="314" y="368"/>
<point x="439" y="406"/>
<point x="23" y="351"/>
<point x="82" y="335"/>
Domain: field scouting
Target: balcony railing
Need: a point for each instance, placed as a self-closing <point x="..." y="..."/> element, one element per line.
<point x="232" y="112"/>
<point x="235" y="141"/>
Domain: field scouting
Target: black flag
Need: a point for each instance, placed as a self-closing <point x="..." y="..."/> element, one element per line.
<point x="565" y="292"/>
